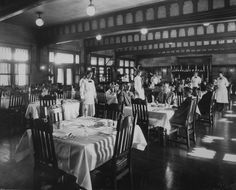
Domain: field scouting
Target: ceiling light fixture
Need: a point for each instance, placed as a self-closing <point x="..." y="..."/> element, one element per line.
<point x="144" y="31"/>
<point x="39" y="21"/>
<point x="206" y="24"/>
<point x="99" y="37"/>
<point x="91" y="9"/>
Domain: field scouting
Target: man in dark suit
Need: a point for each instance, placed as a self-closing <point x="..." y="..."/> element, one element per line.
<point x="166" y="96"/>
<point x="205" y="101"/>
<point x="181" y="113"/>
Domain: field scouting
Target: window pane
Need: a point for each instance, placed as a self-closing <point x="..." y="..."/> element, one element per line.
<point x="60" y="75"/>
<point x="131" y="63"/>
<point x="126" y="63"/>
<point x="51" y="57"/>
<point x="121" y="71"/>
<point x="21" y="55"/>
<point x="77" y="59"/>
<point x="21" y="69"/>
<point x="64" y="58"/>
<point x="100" y="61"/>
<point x="93" y="61"/>
<point x="5" y="80"/>
<point x="101" y="70"/>
<point x="5" y="68"/>
<point x="5" y="53"/>
<point x="21" y="80"/>
<point x="127" y="71"/>
<point x="68" y="76"/>
<point x="121" y="63"/>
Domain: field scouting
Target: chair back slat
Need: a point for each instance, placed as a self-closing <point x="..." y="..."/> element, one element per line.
<point x="124" y="137"/>
<point x="112" y="111"/>
<point x="44" y="151"/>
<point x="192" y="110"/>
<point x="33" y="97"/>
<point x="180" y="98"/>
<point x="45" y="102"/>
<point x="139" y="107"/>
<point x="16" y="101"/>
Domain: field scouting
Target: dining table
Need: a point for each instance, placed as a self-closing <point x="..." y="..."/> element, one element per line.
<point x="69" y="107"/>
<point x="82" y="145"/>
<point x="159" y="115"/>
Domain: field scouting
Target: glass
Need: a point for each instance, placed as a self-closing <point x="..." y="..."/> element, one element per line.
<point x="5" y="80"/>
<point x="21" y="55"/>
<point x="5" y="53"/>
<point x="21" y="80"/>
<point x="60" y="75"/>
<point x="93" y="61"/>
<point x="69" y="76"/>
<point x="101" y="61"/>
<point x="64" y="58"/>
<point x="51" y="57"/>
<point x="121" y="63"/>
<point x="77" y="59"/>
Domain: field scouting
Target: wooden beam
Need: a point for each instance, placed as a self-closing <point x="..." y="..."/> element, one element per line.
<point x="13" y="8"/>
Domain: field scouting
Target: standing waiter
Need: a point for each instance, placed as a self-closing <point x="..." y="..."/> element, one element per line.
<point x="195" y="83"/>
<point x="221" y="92"/>
<point x="138" y="86"/>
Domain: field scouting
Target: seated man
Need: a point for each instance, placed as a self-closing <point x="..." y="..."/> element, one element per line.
<point x="205" y="101"/>
<point x="166" y="96"/>
<point x="181" y="113"/>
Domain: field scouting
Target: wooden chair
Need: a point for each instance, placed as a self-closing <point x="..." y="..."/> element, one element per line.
<point x="187" y="129"/>
<point x="33" y="97"/>
<point x="120" y="164"/>
<point x="210" y="117"/>
<point x="139" y="107"/>
<point x="180" y="98"/>
<point x="55" y="117"/>
<point x="48" y="100"/>
<point x="45" y="102"/>
<point x="101" y="104"/>
<point x="46" y="167"/>
<point x="112" y="111"/>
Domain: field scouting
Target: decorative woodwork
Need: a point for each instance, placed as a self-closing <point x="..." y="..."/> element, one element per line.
<point x="162" y="14"/>
<point x="186" y="66"/>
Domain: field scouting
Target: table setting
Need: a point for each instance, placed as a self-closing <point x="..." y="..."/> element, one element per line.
<point x="81" y="145"/>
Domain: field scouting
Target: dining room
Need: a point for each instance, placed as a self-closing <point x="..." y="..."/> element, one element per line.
<point x="128" y="94"/>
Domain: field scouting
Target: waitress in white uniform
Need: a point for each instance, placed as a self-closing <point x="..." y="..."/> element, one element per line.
<point x="221" y="91"/>
<point x="138" y="86"/>
<point x="88" y="95"/>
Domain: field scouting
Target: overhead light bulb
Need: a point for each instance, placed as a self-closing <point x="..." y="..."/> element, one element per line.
<point x="99" y="37"/>
<point x="144" y="31"/>
<point x="91" y="9"/>
<point x="39" y="21"/>
<point x="206" y="24"/>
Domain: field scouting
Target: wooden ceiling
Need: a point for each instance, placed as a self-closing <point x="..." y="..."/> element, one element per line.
<point x="63" y="11"/>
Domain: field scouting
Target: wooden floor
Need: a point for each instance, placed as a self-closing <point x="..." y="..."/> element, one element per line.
<point x="211" y="165"/>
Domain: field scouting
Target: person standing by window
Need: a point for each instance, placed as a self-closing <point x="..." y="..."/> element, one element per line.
<point x="221" y="92"/>
<point x="195" y="82"/>
<point x="138" y="86"/>
<point x="88" y="95"/>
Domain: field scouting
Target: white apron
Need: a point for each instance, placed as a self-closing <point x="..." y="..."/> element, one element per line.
<point x="221" y="91"/>
<point x="88" y="95"/>
<point x="138" y="87"/>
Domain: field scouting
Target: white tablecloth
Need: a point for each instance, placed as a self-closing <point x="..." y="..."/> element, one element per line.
<point x="70" y="109"/>
<point x="82" y="145"/>
<point x="158" y="116"/>
<point x="5" y="102"/>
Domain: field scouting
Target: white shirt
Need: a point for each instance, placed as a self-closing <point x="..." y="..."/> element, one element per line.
<point x="195" y="81"/>
<point x="139" y="90"/>
<point x="88" y="91"/>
